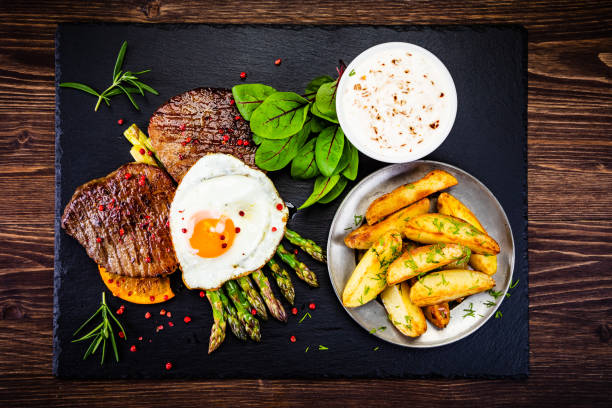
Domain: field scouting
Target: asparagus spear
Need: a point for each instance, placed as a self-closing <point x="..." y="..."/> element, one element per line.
<point x="253" y="297"/>
<point x="308" y="245"/>
<point x="232" y="317"/>
<point x="251" y="324"/>
<point x="143" y="157"/>
<point x="217" y="333"/>
<point x="276" y="307"/>
<point x="283" y="280"/>
<point x="141" y="142"/>
<point x="301" y="270"/>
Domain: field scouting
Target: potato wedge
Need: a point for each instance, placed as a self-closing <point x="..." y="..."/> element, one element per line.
<point x="484" y="263"/>
<point x="438" y="315"/>
<point x="407" y="194"/>
<point x="460" y="263"/>
<point x="434" y="227"/>
<point x="370" y="276"/>
<point x="449" y="205"/>
<point x="403" y="314"/>
<point x="424" y="259"/>
<point x="444" y="286"/>
<point x="366" y="235"/>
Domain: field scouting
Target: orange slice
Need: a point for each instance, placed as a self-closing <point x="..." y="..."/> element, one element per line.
<point x="144" y="291"/>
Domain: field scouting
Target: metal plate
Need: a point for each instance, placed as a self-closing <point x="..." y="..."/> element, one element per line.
<point x="341" y="259"/>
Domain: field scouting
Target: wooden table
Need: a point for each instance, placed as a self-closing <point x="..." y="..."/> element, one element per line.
<point x="570" y="206"/>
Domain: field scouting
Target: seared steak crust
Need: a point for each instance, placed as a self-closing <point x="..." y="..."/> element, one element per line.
<point x="198" y="122"/>
<point x="128" y="215"/>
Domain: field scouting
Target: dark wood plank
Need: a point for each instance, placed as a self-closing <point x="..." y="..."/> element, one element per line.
<point x="570" y="205"/>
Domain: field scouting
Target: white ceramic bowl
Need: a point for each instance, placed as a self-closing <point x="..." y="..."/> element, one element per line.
<point x="357" y="135"/>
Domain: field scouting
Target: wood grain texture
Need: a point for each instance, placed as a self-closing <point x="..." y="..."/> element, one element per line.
<point x="570" y="205"/>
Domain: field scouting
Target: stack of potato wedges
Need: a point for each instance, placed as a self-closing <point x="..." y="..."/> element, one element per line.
<point x="419" y="261"/>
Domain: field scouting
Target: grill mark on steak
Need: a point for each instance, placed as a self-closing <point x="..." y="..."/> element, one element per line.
<point x="139" y="234"/>
<point x="113" y="241"/>
<point x="202" y="112"/>
<point x="154" y="250"/>
<point x="125" y="254"/>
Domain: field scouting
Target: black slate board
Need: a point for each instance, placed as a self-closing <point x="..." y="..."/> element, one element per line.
<point x="488" y="140"/>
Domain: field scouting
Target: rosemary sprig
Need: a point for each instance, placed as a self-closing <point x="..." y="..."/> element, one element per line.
<point x="123" y="82"/>
<point x="101" y="333"/>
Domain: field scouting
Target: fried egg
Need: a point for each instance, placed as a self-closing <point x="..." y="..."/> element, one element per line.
<point x="226" y="220"/>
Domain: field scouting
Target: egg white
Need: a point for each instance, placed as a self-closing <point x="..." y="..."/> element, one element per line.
<point x="221" y="184"/>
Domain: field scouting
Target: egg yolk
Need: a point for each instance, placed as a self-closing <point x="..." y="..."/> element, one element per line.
<point x="212" y="237"/>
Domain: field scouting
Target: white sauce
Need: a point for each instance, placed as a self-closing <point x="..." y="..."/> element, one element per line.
<point x="398" y="100"/>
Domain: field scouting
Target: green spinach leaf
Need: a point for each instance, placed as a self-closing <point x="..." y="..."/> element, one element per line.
<point x="351" y="170"/>
<point x="257" y="139"/>
<point x="334" y="192"/>
<point x="304" y="166"/>
<point x="326" y="99"/>
<point x="317" y="124"/>
<point x="345" y="158"/>
<point x="313" y="86"/>
<point x="248" y="97"/>
<point x="306" y="129"/>
<point x="274" y="154"/>
<point x="328" y="149"/>
<point x="322" y="186"/>
<point x="281" y="115"/>
<point x="315" y="111"/>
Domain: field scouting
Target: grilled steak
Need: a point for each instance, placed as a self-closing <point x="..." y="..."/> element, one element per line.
<point x="198" y="122"/>
<point x="121" y="220"/>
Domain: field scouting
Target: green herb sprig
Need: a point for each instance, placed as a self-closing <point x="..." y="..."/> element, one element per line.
<point x="126" y="82"/>
<point x="301" y="130"/>
<point x="381" y="328"/>
<point x="495" y="293"/>
<point x="307" y="315"/>
<point x="469" y="311"/>
<point x="101" y="333"/>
